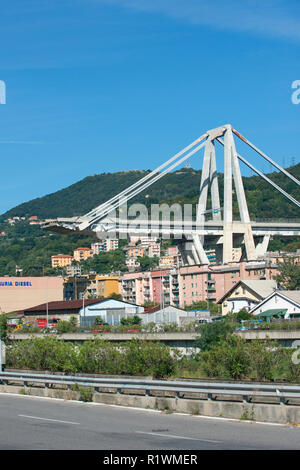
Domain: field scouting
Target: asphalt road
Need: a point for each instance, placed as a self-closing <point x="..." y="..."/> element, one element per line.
<point x="31" y="423"/>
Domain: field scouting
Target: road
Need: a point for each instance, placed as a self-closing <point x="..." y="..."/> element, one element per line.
<point x="31" y="423"/>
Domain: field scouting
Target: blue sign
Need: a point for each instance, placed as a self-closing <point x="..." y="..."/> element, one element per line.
<point x="16" y="284"/>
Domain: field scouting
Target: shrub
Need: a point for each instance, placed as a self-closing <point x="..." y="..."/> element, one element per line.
<point x="227" y="359"/>
<point x="213" y="333"/>
<point x="95" y="356"/>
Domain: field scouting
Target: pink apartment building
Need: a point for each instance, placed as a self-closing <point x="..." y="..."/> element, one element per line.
<point x="198" y="283"/>
<point x="189" y="284"/>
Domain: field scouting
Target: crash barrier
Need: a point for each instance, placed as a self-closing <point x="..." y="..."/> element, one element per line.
<point x="246" y="392"/>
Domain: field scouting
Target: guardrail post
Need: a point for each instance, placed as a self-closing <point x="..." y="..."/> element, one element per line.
<point x="245" y="398"/>
<point x="148" y="393"/>
<point x="283" y="401"/>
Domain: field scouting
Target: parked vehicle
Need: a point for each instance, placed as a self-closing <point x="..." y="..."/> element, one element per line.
<point x="42" y="323"/>
<point x="101" y="328"/>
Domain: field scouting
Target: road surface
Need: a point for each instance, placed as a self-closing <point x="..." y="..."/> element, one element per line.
<point x="31" y="423"/>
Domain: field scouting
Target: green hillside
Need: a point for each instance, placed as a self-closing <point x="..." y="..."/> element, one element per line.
<point x="31" y="248"/>
<point x="181" y="186"/>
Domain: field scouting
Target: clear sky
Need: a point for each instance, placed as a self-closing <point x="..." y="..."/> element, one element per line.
<point x="99" y="86"/>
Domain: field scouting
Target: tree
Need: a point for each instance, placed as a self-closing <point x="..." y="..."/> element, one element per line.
<point x="213" y="333"/>
<point x="135" y="320"/>
<point x="289" y="274"/>
<point x="115" y="296"/>
<point x="3" y="327"/>
<point x="147" y="263"/>
<point x="243" y="314"/>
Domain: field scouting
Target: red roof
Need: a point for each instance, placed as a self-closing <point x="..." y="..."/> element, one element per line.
<point x="151" y="308"/>
<point x="61" y="256"/>
<point x="64" y="305"/>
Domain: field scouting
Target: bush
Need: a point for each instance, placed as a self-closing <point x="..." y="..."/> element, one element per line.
<point x="213" y="333"/>
<point x="66" y="326"/>
<point x="48" y="353"/>
<point x="135" y="357"/>
<point x="227" y="359"/>
<point x="149" y="358"/>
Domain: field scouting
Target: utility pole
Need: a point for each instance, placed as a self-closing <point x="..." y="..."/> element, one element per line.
<point x="47" y="309"/>
<point x="0" y="352"/>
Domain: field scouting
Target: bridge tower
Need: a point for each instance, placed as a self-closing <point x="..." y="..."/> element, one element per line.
<point x="222" y="231"/>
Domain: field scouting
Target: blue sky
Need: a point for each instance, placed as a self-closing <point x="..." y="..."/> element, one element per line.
<point x="99" y="86"/>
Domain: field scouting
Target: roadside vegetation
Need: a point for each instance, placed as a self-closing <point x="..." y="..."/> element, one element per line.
<point x="217" y="354"/>
<point x="134" y="357"/>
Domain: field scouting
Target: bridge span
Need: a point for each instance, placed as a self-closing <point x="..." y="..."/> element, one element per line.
<point x="211" y="226"/>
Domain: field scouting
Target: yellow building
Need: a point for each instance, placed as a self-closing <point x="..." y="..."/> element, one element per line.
<point x="59" y="261"/>
<point x="168" y="261"/>
<point x="103" y="286"/>
<point x="90" y="285"/>
<point x="83" y="253"/>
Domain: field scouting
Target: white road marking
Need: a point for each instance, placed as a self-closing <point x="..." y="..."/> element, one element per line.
<point x="178" y="437"/>
<point x="48" y="419"/>
<point x="201" y="417"/>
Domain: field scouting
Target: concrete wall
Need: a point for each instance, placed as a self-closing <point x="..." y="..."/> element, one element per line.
<point x="256" y="412"/>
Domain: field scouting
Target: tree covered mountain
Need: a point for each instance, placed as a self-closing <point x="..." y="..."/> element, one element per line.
<point x="31" y="248"/>
<point x="181" y="186"/>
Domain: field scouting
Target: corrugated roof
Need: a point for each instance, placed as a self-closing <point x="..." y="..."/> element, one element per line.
<point x="70" y="304"/>
<point x="271" y="312"/>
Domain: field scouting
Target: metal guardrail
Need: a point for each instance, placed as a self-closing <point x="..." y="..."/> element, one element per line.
<point x="212" y="390"/>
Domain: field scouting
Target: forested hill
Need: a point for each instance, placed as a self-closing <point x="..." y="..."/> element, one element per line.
<point x="181" y="186"/>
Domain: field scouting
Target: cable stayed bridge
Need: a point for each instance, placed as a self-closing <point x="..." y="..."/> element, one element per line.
<point x="194" y="232"/>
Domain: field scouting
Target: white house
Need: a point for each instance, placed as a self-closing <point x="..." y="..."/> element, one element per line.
<point x="110" y="310"/>
<point x="281" y="303"/>
<point x="246" y="295"/>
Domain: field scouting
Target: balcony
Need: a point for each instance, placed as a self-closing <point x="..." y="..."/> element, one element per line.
<point x="211" y="296"/>
<point x="211" y="288"/>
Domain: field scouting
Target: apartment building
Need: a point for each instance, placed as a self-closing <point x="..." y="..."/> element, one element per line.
<point x="276" y="257"/>
<point x="168" y="261"/>
<point x="135" y="251"/>
<point x="148" y="241"/>
<point x="90" y="286"/>
<point x="82" y="253"/>
<point x="190" y="284"/>
<point x="111" y="244"/>
<point x="97" y="248"/>
<point x="154" y="250"/>
<point x="60" y="261"/>
<point x="203" y="283"/>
